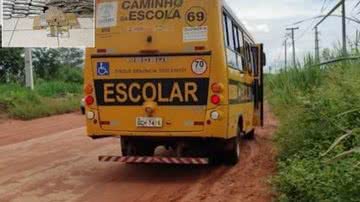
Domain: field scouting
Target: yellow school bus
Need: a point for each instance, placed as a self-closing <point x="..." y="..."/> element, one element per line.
<point x="183" y="74"/>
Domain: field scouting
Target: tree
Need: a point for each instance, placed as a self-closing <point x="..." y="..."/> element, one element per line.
<point x="12" y="65"/>
<point x="61" y="63"/>
<point x="46" y="62"/>
<point x="72" y="57"/>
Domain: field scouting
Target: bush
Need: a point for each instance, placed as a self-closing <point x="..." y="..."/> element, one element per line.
<point x="70" y="75"/>
<point x="310" y="104"/>
<point x="57" y="88"/>
<point x="47" y="99"/>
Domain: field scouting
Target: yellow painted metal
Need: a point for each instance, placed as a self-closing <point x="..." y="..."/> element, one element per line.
<point x="130" y="47"/>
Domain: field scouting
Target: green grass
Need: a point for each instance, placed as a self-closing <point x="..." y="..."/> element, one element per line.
<point x="57" y="89"/>
<point x="48" y="98"/>
<point x="315" y="107"/>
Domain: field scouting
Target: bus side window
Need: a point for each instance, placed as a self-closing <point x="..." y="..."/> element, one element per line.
<point x="249" y="58"/>
<point x="230" y="43"/>
<point x="234" y="43"/>
<point x="226" y="33"/>
<point x="240" y="49"/>
<point x="231" y="34"/>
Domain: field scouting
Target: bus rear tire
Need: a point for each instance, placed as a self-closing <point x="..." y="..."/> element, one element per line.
<point x="232" y="152"/>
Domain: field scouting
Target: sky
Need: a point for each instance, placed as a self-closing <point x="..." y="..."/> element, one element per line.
<point x="268" y="19"/>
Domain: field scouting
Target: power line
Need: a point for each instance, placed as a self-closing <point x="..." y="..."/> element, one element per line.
<point x="340" y="4"/>
<point x="356" y="5"/>
<point x="331" y="11"/>
<point x="323" y="6"/>
<point x="352" y="19"/>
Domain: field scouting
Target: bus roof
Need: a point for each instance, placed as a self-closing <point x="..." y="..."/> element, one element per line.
<point x="233" y="15"/>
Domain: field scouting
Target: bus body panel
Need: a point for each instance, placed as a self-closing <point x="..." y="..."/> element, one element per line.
<point x="137" y="52"/>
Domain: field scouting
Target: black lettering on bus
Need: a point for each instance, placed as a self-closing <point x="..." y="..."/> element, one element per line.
<point x="176" y="14"/>
<point x="141" y="15"/>
<point x="150" y="15"/>
<point x="126" y="5"/>
<point x="145" y="4"/>
<point x="132" y="15"/>
<point x="159" y="14"/>
<point x="168" y="4"/>
<point x="159" y="3"/>
<point x="151" y="4"/>
<point x="135" y="5"/>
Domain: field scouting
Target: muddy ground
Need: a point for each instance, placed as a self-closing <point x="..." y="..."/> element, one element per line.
<point x="51" y="159"/>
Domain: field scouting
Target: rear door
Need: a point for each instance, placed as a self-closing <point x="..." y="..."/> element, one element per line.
<point x="158" y="93"/>
<point x="258" y="85"/>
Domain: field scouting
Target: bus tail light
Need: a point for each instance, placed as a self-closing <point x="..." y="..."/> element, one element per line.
<point x="215" y="99"/>
<point x="88" y="89"/>
<point x="89" y="100"/>
<point x="217" y="88"/>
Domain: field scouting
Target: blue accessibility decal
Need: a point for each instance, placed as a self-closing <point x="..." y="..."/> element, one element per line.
<point x="103" y="69"/>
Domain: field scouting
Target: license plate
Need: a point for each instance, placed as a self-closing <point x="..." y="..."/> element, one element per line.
<point x="149" y="122"/>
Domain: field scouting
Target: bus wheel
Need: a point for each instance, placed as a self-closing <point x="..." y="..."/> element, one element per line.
<point x="250" y="135"/>
<point x="232" y="152"/>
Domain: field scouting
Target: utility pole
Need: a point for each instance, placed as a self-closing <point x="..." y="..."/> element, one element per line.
<point x="317" y="48"/>
<point x="292" y="29"/>
<point x="344" y="28"/>
<point x="29" y="80"/>
<point x="357" y="40"/>
<point x="285" y="44"/>
<point x="341" y="3"/>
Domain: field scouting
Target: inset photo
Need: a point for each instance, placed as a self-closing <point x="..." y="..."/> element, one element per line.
<point x="48" y="23"/>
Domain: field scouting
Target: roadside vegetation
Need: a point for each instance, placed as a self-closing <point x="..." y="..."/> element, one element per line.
<point x="319" y="135"/>
<point x="58" y="83"/>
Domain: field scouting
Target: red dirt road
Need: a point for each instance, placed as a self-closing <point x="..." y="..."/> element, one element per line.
<point x="51" y="159"/>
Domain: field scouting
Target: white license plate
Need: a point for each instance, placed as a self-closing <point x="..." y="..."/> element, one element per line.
<point x="149" y="122"/>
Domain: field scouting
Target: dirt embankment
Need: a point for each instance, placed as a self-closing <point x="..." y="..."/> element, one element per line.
<point x="51" y="159"/>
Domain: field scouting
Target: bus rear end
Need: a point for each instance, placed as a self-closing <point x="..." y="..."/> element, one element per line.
<point x="155" y="78"/>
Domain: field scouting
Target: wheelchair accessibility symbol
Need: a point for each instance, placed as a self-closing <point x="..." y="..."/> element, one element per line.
<point x="103" y="69"/>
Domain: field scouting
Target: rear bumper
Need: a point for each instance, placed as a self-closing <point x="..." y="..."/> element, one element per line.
<point x="200" y="134"/>
<point x="153" y="160"/>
